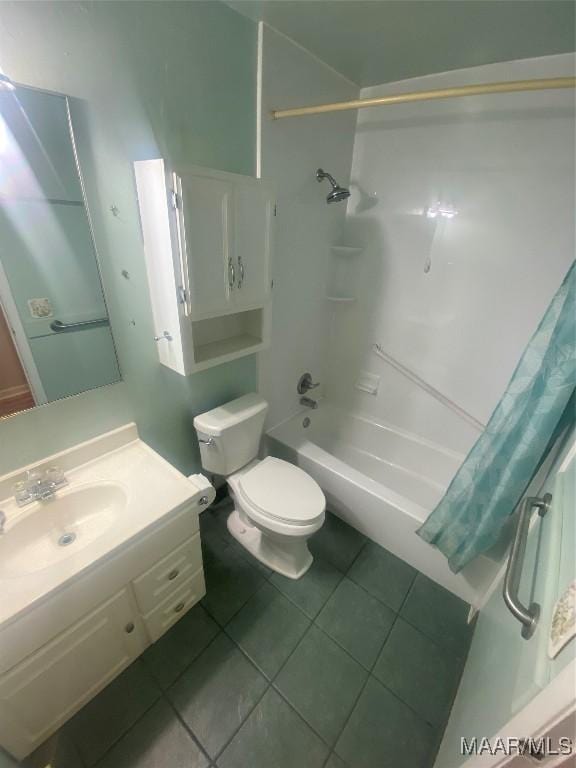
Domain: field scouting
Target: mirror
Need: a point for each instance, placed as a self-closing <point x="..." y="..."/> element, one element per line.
<point x="55" y="337"/>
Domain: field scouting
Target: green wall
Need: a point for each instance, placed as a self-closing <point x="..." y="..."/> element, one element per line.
<point x="147" y="79"/>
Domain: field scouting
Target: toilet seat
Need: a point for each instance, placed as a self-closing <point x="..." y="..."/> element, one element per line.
<point x="282" y="492"/>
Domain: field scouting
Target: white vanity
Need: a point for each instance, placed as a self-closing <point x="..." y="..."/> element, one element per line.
<point x="90" y="577"/>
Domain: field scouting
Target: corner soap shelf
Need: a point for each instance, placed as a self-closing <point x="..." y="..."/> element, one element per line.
<point x="342" y="274"/>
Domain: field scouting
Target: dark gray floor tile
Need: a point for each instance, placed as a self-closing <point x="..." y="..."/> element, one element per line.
<point x="6" y="761"/>
<point x="58" y="751"/>
<point x="337" y="542"/>
<point x="268" y="628"/>
<point x="383" y="575"/>
<point x="438" y="614"/>
<point x="110" y="714"/>
<point x="158" y="739"/>
<point x="230" y="582"/>
<point x="335" y="762"/>
<point x="216" y="693"/>
<point x="214" y="534"/>
<point x="311" y="591"/>
<point x="274" y="737"/>
<point x="357" y="621"/>
<point x="420" y="672"/>
<point x="322" y="683"/>
<point x="170" y="656"/>
<point x="382" y="731"/>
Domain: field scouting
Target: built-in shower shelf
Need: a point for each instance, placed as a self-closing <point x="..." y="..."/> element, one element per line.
<point x="346" y="250"/>
<point x="341" y="299"/>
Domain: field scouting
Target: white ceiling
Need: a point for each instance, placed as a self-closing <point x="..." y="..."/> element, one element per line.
<point x="378" y="41"/>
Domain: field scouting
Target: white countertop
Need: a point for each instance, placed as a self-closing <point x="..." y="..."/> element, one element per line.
<point x="153" y="489"/>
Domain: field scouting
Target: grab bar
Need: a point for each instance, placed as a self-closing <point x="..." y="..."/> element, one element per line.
<point x="59" y="327"/>
<point x="528" y="617"/>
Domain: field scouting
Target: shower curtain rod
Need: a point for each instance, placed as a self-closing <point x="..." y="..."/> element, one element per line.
<point x="443" y="93"/>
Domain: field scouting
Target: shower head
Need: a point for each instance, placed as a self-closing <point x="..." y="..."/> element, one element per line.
<point x="337" y="192"/>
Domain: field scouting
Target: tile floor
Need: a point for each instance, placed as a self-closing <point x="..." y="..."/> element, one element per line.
<point x="353" y="666"/>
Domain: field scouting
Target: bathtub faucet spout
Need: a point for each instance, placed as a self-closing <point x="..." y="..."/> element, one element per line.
<point x="308" y="402"/>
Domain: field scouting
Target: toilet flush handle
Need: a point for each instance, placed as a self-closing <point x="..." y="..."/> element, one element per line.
<point x="209" y="441"/>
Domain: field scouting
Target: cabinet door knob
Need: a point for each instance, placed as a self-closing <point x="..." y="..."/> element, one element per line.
<point x="129" y="628"/>
<point x="178" y="608"/>
<point x="172" y="575"/>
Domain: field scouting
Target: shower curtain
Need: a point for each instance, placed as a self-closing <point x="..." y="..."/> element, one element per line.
<point x="490" y="483"/>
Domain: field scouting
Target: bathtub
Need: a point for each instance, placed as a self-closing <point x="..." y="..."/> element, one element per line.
<point x="380" y="480"/>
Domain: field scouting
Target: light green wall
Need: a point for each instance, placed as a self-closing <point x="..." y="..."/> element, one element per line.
<point x="148" y="79"/>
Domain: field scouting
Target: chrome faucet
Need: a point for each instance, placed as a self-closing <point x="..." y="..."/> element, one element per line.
<point x="305" y="384"/>
<point x="40" y="485"/>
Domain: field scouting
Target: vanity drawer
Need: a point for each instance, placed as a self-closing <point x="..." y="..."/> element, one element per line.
<point x="159" y="581"/>
<point x="172" y="609"/>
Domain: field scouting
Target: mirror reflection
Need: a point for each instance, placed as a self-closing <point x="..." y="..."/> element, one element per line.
<point x="55" y="337"/>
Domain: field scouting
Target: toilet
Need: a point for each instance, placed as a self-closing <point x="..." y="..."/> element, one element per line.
<point x="277" y="506"/>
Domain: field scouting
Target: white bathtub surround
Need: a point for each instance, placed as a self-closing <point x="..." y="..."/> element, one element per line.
<point x="506" y="165"/>
<point x="305" y="226"/>
<point x="383" y="481"/>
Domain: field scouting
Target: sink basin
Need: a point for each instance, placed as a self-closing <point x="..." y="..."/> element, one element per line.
<point x="56" y="529"/>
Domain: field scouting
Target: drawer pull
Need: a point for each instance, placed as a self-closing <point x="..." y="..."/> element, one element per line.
<point x="129" y="628"/>
<point x="172" y="575"/>
<point x="178" y="608"/>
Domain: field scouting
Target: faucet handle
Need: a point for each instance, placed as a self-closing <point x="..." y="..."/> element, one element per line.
<point x="305" y="384"/>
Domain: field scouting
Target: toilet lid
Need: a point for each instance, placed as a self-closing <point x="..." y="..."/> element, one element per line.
<point x="282" y="491"/>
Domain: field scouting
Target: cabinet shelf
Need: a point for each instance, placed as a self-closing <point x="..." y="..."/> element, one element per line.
<point x="225" y="347"/>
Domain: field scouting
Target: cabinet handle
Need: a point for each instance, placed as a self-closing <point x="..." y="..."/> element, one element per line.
<point x="231" y="273"/>
<point x="241" y="269"/>
<point x="178" y="608"/>
<point x="172" y="575"/>
<point x="129" y="628"/>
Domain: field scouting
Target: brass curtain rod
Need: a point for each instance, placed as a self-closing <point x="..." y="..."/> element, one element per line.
<point x="443" y="93"/>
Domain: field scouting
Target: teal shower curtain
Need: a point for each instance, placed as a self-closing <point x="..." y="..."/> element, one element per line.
<point x="494" y="475"/>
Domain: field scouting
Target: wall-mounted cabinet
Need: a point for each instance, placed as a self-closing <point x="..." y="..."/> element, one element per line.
<point x="207" y="241"/>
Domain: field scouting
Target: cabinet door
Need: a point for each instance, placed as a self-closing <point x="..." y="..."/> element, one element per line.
<point x="253" y="233"/>
<point x="206" y="211"/>
<point x="48" y="687"/>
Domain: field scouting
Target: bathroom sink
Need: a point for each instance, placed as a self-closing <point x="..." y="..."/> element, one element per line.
<point x="56" y="529"/>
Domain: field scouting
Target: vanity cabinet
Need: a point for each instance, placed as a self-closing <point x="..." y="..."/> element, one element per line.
<point x="46" y="688"/>
<point x="61" y="653"/>
<point x="207" y="243"/>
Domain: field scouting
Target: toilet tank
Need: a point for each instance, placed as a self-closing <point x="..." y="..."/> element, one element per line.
<point x="235" y="429"/>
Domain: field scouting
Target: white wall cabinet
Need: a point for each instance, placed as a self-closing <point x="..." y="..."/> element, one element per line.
<point x="112" y="614"/>
<point x="207" y="242"/>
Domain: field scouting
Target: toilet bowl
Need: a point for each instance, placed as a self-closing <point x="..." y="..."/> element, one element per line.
<point x="277" y="506"/>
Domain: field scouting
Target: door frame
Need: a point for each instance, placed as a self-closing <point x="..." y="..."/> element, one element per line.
<point x="8" y="306"/>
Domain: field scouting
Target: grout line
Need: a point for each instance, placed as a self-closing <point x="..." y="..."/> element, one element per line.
<point x="124" y="733"/>
<point x="187" y="728"/>
<point x="246" y="718"/>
